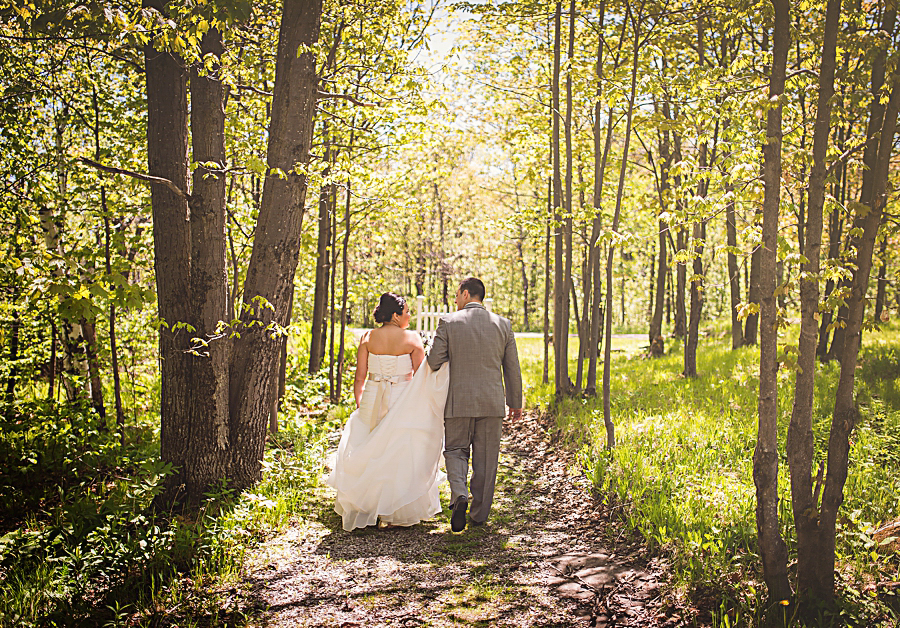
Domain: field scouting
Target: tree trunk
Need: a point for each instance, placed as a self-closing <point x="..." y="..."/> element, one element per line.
<point x="113" y="343"/>
<point x="681" y="244"/>
<point x="167" y="157"/>
<point x="734" y="271"/>
<point x="273" y="260"/>
<point x="594" y="252"/>
<point x="751" y="325"/>
<point x="344" y="287"/>
<point x="568" y="226"/>
<point x="51" y="376"/>
<point x="867" y="221"/>
<point x="547" y="287"/>
<point x="697" y="296"/>
<point x="812" y="584"/>
<point x="209" y="278"/>
<point x="281" y="370"/>
<point x="13" y="355"/>
<point x="665" y="154"/>
<point x="89" y="334"/>
<point x="520" y="242"/>
<point x="320" y="298"/>
<point x="881" y="291"/>
<point x="560" y="280"/>
<point x="773" y="550"/>
<point x="698" y="288"/>
<point x="835" y="230"/>
<point x="607" y="416"/>
<point x="331" y="294"/>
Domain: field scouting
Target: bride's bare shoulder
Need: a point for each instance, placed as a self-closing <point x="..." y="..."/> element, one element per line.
<point x="413" y="338"/>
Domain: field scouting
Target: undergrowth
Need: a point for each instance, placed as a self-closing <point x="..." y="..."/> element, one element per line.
<point x="82" y="544"/>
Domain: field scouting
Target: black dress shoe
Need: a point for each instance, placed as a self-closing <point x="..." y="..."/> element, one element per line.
<point x="458" y="518"/>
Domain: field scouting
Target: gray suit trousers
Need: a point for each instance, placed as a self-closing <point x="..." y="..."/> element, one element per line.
<point x="482" y="436"/>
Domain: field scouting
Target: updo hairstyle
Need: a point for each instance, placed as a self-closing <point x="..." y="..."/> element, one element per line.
<point x="388" y="305"/>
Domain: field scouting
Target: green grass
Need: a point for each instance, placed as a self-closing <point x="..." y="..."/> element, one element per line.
<point x="681" y="473"/>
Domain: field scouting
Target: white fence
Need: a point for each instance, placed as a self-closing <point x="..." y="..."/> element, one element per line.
<point x="427" y="316"/>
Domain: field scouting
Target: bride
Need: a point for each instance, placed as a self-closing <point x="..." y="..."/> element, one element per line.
<point x="386" y="466"/>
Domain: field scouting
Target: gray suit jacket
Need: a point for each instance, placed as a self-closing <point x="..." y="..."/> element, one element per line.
<point x="482" y="352"/>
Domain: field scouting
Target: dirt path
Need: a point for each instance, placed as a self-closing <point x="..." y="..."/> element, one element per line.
<point x="540" y="561"/>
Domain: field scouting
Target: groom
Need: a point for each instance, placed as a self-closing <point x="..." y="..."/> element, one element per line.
<point x="481" y="349"/>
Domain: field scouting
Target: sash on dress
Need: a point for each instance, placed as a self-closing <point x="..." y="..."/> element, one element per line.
<point x="383" y="394"/>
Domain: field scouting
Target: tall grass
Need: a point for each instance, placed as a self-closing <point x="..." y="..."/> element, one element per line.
<point x="681" y="473"/>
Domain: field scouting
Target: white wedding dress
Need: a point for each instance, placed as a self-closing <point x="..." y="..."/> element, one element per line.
<point x="387" y="461"/>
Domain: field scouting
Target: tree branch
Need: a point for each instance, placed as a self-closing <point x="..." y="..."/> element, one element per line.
<point x="137" y="175"/>
<point x="352" y="99"/>
<point x="844" y="155"/>
<point x="250" y="88"/>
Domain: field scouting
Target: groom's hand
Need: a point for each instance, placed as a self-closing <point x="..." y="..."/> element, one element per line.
<point x="515" y="414"/>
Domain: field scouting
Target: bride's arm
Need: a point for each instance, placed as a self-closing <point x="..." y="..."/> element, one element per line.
<point x="418" y="351"/>
<point x="362" y="368"/>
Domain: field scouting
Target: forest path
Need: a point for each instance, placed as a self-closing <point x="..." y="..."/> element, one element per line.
<point x="541" y="560"/>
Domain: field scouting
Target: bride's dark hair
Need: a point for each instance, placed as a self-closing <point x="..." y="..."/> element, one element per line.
<point x="388" y="305"/>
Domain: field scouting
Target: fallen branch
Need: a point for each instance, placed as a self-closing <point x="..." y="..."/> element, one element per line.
<point x="137" y="175"/>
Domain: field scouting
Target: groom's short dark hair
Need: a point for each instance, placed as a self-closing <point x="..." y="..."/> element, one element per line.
<point x="474" y="286"/>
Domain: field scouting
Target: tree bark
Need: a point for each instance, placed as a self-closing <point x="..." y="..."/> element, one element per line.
<point x="734" y="271"/>
<point x="273" y="260"/>
<point x="812" y="584"/>
<point x="697" y="288"/>
<point x="13" y="375"/>
<point x="663" y="187"/>
<point x="594" y="249"/>
<point x="560" y="280"/>
<point x="89" y="335"/>
<point x="320" y="297"/>
<point x="680" y="327"/>
<point x="881" y="291"/>
<point x="846" y="413"/>
<point x="835" y="230"/>
<point x="209" y="278"/>
<point x="344" y="288"/>
<point x="656" y="338"/>
<point x="113" y="342"/>
<point x="568" y="225"/>
<point x="547" y="286"/>
<point x="751" y="325"/>
<point x="607" y="416"/>
<point x="167" y="157"/>
<point x="772" y="548"/>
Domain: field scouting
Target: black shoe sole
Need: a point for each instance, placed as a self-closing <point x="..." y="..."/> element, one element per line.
<point x="458" y="519"/>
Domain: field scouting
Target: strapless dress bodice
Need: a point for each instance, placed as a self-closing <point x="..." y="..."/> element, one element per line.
<point x="389" y="365"/>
